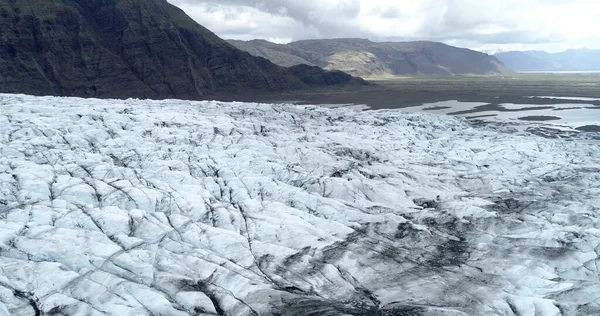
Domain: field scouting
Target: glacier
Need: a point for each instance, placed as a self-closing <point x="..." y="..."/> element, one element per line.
<point x="141" y="207"/>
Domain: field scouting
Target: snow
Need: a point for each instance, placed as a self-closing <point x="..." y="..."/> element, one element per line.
<point x="140" y="207"/>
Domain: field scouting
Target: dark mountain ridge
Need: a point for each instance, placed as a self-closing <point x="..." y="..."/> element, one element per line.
<point x="126" y="48"/>
<point x="364" y="58"/>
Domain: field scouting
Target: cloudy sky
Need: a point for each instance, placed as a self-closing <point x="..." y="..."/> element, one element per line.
<point x="486" y="25"/>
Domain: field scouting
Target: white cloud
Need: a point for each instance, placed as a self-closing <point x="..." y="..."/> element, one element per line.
<point x="479" y="24"/>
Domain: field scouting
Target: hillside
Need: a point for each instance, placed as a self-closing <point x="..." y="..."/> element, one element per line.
<point x="125" y="48"/>
<point x="364" y="58"/>
<point x="573" y="59"/>
<point x="283" y="55"/>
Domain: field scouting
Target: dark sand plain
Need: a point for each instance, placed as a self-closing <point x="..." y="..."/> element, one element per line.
<point x="405" y="92"/>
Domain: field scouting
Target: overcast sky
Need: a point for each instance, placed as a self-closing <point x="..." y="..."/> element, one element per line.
<point x="487" y="25"/>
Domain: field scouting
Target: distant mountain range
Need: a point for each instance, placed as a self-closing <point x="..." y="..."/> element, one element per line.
<point x="573" y="59"/>
<point x="131" y="48"/>
<point x="364" y="58"/>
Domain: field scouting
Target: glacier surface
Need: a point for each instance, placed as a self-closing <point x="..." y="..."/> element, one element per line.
<point x="138" y="207"/>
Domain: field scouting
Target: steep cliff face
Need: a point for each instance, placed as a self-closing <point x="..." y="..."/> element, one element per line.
<point x="364" y="58"/>
<point x="123" y="48"/>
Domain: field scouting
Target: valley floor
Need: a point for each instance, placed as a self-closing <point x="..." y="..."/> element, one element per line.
<point x="406" y="92"/>
<point x="136" y="207"/>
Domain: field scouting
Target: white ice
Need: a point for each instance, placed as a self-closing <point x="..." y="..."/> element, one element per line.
<point x="139" y="207"/>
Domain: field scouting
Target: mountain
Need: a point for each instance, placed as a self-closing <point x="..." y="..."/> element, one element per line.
<point x="283" y="55"/>
<point x="573" y="59"/>
<point x="126" y="48"/>
<point x="525" y="61"/>
<point x="364" y="58"/>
